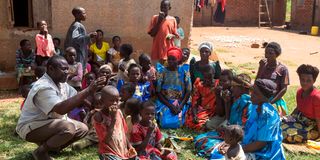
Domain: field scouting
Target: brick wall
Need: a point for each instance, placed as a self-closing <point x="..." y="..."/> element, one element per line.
<point x="301" y="14"/>
<point x="127" y="18"/>
<point x="242" y="13"/>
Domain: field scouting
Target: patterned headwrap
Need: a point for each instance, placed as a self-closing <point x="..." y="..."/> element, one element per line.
<point x="267" y="87"/>
<point x="176" y="52"/>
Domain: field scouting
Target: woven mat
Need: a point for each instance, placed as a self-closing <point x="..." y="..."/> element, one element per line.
<point x="298" y="148"/>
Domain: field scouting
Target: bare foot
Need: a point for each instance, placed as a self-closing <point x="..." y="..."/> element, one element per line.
<point x="41" y="154"/>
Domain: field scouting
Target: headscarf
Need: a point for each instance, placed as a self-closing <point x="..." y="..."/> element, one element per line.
<point x="175" y="52"/>
<point x="275" y="46"/>
<point x="105" y="66"/>
<point x="206" y="45"/>
<point x="267" y="87"/>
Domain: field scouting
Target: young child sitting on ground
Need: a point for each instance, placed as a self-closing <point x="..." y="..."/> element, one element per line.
<point x="56" y="43"/>
<point x="114" y="53"/>
<point x="231" y="147"/>
<point x="223" y="101"/>
<point x="146" y="135"/>
<point x="203" y="100"/>
<point x="125" y="52"/>
<point x="75" y="71"/>
<point x="142" y="90"/>
<point x="131" y="113"/>
<point x="111" y="128"/>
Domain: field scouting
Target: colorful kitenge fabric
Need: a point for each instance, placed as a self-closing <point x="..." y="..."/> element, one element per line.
<point x="204" y="102"/>
<point x="301" y="130"/>
<point x="142" y="91"/>
<point x="173" y="85"/>
<point x="239" y="111"/>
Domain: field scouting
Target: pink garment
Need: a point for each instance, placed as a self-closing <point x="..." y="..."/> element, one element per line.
<point x="45" y="47"/>
<point x="151" y="74"/>
<point x="118" y="144"/>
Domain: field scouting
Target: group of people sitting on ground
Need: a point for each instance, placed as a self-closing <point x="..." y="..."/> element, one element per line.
<point x="103" y="96"/>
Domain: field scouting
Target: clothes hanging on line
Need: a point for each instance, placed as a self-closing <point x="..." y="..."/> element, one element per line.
<point x="199" y="4"/>
<point x="220" y="13"/>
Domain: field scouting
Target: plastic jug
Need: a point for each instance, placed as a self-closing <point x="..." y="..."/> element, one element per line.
<point x="314" y="30"/>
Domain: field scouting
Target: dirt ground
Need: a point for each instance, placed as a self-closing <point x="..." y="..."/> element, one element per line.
<point x="233" y="47"/>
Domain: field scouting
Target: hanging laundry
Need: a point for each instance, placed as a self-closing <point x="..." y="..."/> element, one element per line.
<point x="201" y="3"/>
<point x="223" y="4"/>
<point x="220" y="13"/>
<point x="197" y="5"/>
<point x="212" y="3"/>
<point x="206" y="2"/>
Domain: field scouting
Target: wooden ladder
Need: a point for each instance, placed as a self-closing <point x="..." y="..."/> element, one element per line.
<point x="263" y="12"/>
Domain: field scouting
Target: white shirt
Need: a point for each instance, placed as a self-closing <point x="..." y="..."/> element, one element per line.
<point x="43" y="96"/>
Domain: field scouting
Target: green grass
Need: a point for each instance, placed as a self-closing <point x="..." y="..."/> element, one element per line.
<point x="12" y="147"/>
<point x="247" y="68"/>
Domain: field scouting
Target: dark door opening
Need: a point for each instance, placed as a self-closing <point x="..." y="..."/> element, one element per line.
<point x="22" y="13"/>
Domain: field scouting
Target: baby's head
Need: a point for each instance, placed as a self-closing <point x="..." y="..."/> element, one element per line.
<point x="233" y="134"/>
<point x="147" y="111"/>
<point x="132" y="107"/>
<point x="127" y="90"/>
<point x="109" y="96"/>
